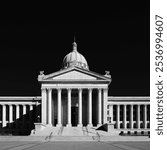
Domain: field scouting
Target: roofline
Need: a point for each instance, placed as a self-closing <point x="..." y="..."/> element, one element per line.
<point x="20" y="98"/>
<point x="74" y="67"/>
<point x="112" y="98"/>
<point x="109" y="98"/>
<point x="76" y="81"/>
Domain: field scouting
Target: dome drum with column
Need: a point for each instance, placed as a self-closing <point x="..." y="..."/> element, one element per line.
<point x="74" y="58"/>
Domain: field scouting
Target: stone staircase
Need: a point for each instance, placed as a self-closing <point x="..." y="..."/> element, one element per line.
<point x="72" y="131"/>
<point x="78" y="134"/>
<point x="73" y="134"/>
<point x="56" y="131"/>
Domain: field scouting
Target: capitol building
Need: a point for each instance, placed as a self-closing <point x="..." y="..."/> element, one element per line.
<point x="73" y="100"/>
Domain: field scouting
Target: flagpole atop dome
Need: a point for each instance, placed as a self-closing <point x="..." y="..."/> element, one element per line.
<point x="74" y="44"/>
<point x="74" y="37"/>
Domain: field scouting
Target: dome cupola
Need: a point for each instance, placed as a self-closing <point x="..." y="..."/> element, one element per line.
<point x="74" y="58"/>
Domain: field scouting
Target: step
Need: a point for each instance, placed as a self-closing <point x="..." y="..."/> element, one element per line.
<point x="72" y="131"/>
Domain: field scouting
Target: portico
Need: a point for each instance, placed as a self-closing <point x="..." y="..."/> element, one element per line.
<point x="74" y="96"/>
<point x="60" y="102"/>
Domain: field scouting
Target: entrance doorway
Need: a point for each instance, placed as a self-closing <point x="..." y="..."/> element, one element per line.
<point x="74" y="115"/>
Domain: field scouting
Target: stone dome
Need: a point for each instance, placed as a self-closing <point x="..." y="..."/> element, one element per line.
<point x="74" y="58"/>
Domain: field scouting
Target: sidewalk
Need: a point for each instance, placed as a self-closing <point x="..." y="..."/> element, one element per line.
<point x="74" y="138"/>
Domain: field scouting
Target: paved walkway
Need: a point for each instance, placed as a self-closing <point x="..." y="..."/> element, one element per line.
<point x="74" y="145"/>
<point x="74" y="138"/>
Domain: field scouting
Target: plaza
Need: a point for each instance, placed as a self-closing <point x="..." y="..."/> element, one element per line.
<point x="75" y="145"/>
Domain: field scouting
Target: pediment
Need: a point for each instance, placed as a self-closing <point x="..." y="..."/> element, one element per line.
<point x="73" y="74"/>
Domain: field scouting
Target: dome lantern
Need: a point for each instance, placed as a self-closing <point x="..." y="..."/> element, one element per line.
<point x="74" y="46"/>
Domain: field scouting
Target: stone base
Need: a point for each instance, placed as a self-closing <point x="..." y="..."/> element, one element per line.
<point x="58" y="125"/>
<point x="89" y="125"/>
<point x="110" y="127"/>
<point x="79" y="125"/>
<point x="49" y="125"/>
<point x="39" y="126"/>
<point x="98" y="125"/>
<point x="68" y="125"/>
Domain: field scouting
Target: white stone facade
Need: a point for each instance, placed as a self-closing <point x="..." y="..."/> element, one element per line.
<point x="129" y="112"/>
<point x="73" y="97"/>
<point x="18" y="114"/>
<point x="63" y="94"/>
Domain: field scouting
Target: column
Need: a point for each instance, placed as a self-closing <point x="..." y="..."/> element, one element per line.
<point x="59" y="107"/>
<point x="24" y="113"/>
<point x="43" y="108"/>
<point x="50" y="107"/>
<point x="24" y="110"/>
<point x="17" y="112"/>
<point x="37" y="116"/>
<point x="105" y="99"/>
<point x="31" y="107"/>
<point x="131" y="116"/>
<point x="124" y="119"/>
<point x="10" y="113"/>
<point x="111" y="113"/>
<point x="118" y="116"/>
<point x="90" y="108"/>
<point x="3" y="115"/>
<point x="145" y="116"/>
<point x="69" y="108"/>
<point x="30" y="116"/>
<point x="80" y="109"/>
<point x="17" y="115"/>
<point x="99" y="107"/>
<point x="138" y="116"/>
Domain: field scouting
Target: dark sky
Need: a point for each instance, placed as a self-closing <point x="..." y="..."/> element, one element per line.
<point x="112" y="38"/>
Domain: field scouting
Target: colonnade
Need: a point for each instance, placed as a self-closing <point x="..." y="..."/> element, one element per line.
<point x="47" y="106"/>
<point x="17" y="112"/>
<point x="131" y="114"/>
<point x="126" y="115"/>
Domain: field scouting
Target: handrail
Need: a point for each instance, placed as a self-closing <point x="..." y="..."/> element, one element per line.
<point x="49" y="136"/>
<point x="60" y="130"/>
<point x="98" y="135"/>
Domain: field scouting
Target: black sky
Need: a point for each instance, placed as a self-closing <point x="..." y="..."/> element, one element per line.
<point x="114" y="39"/>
